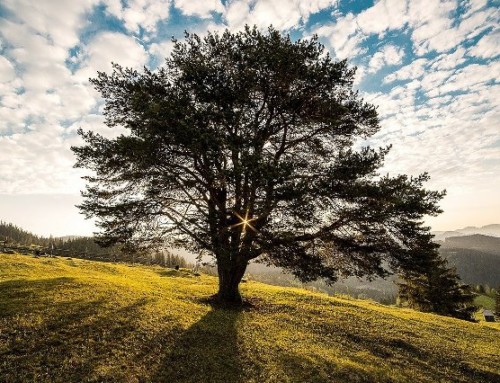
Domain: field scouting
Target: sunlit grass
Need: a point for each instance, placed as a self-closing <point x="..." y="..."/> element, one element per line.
<point x="79" y="321"/>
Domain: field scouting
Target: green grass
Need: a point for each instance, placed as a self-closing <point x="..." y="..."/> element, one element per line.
<point x="82" y="321"/>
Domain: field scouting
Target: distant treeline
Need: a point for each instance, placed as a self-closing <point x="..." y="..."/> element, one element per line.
<point x="13" y="238"/>
<point x="12" y="234"/>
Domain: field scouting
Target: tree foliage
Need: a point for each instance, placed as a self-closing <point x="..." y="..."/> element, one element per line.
<point x="246" y="146"/>
<point x="10" y="233"/>
<point x="432" y="286"/>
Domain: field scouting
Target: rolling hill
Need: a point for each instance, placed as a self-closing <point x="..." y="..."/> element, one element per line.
<point x="479" y="242"/>
<point x="72" y="320"/>
<point x="476" y="257"/>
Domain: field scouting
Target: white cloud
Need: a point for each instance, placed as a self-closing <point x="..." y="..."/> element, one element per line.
<point x="430" y="20"/>
<point x="487" y="47"/>
<point x="137" y="14"/>
<point x="388" y="55"/>
<point x="282" y="14"/>
<point x="161" y="50"/>
<point x="43" y="162"/>
<point x="414" y="70"/>
<point x="435" y="28"/>
<point x="57" y="20"/>
<point x="343" y="36"/>
<point x="109" y="47"/>
<point x="449" y="60"/>
<point x="199" y="8"/>
<point x="434" y="79"/>
<point x="455" y="131"/>
<point x="237" y="12"/>
<point x="29" y="48"/>
<point x="472" y="26"/>
<point x="473" y="6"/>
<point x="384" y="15"/>
<point x="7" y="71"/>
<point x="432" y="24"/>
<point x="472" y="78"/>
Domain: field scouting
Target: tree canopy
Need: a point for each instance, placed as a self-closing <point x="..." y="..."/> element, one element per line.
<point x="432" y="286"/>
<point x="247" y="146"/>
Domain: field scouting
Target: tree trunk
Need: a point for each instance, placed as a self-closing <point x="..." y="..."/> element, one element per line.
<point x="229" y="280"/>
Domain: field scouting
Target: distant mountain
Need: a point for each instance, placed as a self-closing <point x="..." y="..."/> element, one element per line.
<point x="442" y="235"/>
<point x="476" y="257"/>
<point x="479" y="242"/>
<point x="490" y="230"/>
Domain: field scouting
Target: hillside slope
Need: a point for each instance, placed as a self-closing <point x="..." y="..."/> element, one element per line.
<point x="474" y="242"/>
<point x="82" y="321"/>
<point x="473" y="266"/>
<point x="476" y="257"/>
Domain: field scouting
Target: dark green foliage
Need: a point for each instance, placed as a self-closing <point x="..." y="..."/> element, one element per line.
<point x="434" y="287"/>
<point x="242" y="146"/>
<point x="11" y="234"/>
<point x="166" y="259"/>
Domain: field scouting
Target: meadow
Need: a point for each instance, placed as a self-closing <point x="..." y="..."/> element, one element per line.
<point x="72" y="320"/>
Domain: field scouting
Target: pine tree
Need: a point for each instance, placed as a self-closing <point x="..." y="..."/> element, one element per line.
<point x="434" y="287"/>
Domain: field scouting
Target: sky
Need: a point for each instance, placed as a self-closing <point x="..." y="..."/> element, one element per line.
<point x="431" y="66"/>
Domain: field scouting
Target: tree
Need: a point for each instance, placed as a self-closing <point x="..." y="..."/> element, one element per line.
<point x="242" y="146"/>
<point x="431" y="286"/>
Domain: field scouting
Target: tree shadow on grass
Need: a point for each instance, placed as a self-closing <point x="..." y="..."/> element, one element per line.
<point x="207" y="351"/>
<point x="86" y="337"/>
<point x="64" y="341"/>
<point x="16" y="296"/>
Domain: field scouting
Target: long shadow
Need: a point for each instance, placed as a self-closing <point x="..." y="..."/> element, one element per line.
<point x="101" y="339"/>
<point x="68" y="341"/>
<point x="91" y="339"/>
<point x="207" y="351"/>
<point x="18" y="295"/>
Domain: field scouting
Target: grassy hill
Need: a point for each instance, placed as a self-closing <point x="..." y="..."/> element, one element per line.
<point x="83" y="321"/>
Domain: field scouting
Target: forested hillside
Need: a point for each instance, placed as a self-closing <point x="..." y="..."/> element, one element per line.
<point x="479" y="242"/>
<point x="13" y="238"/>
<point x="11" y="234"/>
<point x="476" y="257"/>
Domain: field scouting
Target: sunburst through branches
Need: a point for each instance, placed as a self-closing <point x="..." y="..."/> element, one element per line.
<point x="245" y="221"/>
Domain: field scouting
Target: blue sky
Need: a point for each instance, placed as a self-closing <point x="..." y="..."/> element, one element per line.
<point x="431" y="66"/>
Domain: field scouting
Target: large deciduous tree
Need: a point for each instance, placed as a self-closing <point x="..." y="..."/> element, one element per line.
<point x="246" y="146"/>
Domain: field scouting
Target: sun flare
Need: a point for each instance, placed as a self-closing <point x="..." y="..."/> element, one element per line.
<point x="245" y="221"/>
